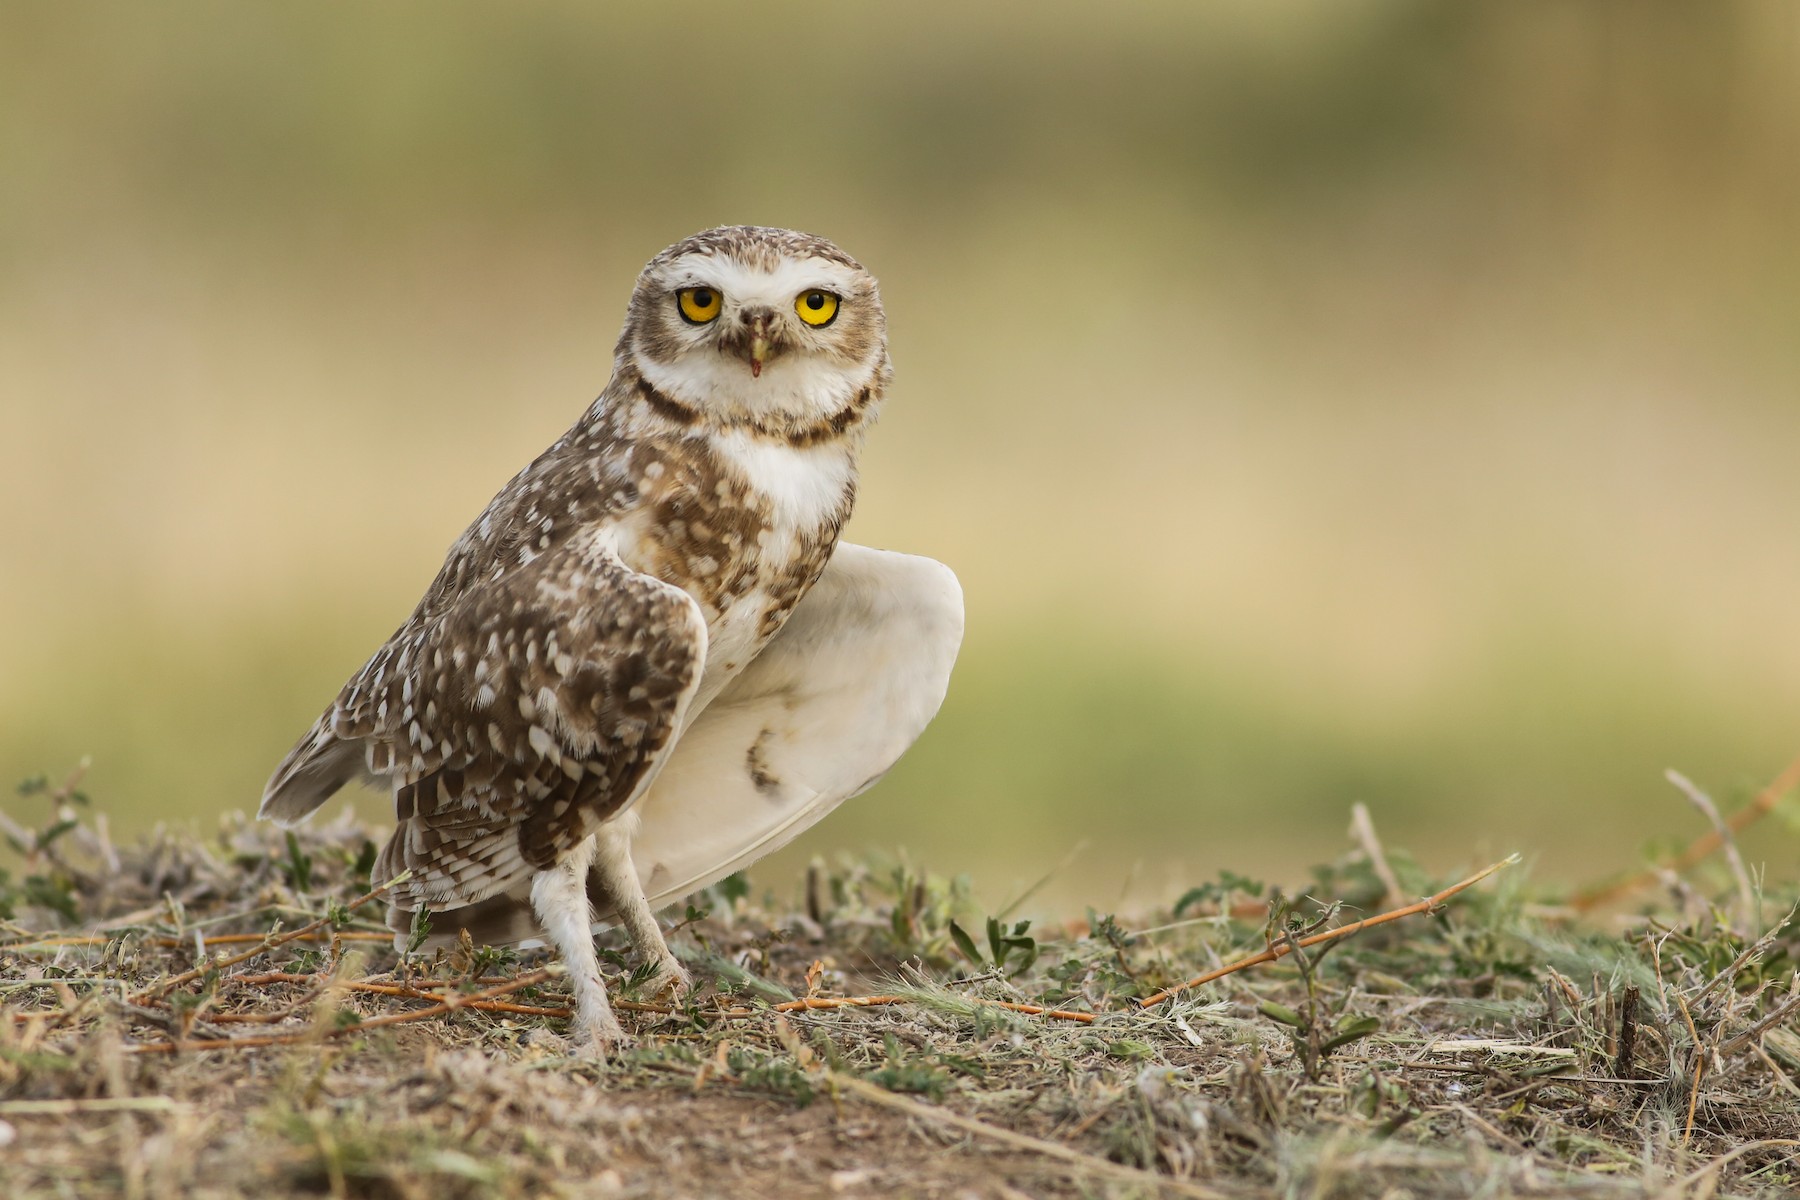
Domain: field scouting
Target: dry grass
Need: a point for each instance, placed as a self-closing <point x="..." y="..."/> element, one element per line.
<point x="157" y="1041"/>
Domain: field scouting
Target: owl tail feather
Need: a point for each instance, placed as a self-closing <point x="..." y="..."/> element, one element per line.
<point x="308" y="776"/>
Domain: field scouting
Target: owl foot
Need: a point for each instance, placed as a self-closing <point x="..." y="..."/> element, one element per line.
<point x="672" y="979"/>
<point x="598" y="1038"/>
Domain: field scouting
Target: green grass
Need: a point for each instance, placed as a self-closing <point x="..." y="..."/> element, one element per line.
<point x="1472" y="1052"/>
<point x="1163" y="766"/>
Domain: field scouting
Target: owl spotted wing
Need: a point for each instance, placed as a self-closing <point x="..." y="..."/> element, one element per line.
<point x="534" y="705"/>
<point x="828" y="706"/>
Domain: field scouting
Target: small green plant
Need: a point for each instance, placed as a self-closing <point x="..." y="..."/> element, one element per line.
<point x="637" y="975"/>
<point x="1130" y="1050"/>
<point x="306" y="960"/>
<point x="363" y="866"/>
<point x="1219" y="894"/>
<point x="420" y="930"/>
<point x="900" y="1073"/>
<point x="297" y="866"/>
<point x="768" y="1073"/>
<point x="731" y="889"/>
<point x="492" y="960"/>
<point x="53" y="891"/>
<point x="51" y="880"/>
<point x="1315" y="1035"/>
<point x="1003" y="945"/>
<point x="39" y="785"/>
<point x="1313" y="1040"/>
<point x="1380" y="1094"/>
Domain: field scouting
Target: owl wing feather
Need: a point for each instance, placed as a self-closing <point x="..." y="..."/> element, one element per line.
<point x="530" y="707"/>
<point x="818" y="717"/>
<point x="829" y="705"/>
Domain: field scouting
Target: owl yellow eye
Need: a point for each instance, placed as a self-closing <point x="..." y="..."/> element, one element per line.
<point x="698" y="305"/>
<point x="816" y="308"/>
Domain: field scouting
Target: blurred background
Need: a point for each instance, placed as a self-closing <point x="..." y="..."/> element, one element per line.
<point x="1321" y="402"/>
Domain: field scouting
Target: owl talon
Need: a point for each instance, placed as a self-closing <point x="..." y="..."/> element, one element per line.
<point x="599" y="1040"/>
<point x="673" y="980"/>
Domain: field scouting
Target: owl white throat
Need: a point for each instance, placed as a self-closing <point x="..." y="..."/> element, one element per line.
<point x="791" y="389"/>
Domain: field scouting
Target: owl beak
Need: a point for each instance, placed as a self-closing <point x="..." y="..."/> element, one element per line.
<point x="757" y="322"/>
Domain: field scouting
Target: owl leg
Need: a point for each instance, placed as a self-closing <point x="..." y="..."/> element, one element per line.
<point x="560" y="899"/>
<point x="618" y="884"/>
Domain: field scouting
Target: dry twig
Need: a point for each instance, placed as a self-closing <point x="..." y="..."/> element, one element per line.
<point x="268" y="942"/>
<point x="1626" y="1058"/>
<point x="1718" y="1164"/>
<point x="1687" y="1132"/>
<point x="421" y="992"/>
<point x="1429" y="904"/>
<point x="1776" y="1016"/>
<point x="1020" y="1141"/>
<point x="1703" y="802"/>
<point x="101" y="1104"/>
<point x="1699" y="848"/>
<point x="826" y="1002"/>
<point x="1362" y="828"/>
<point x="447" y="1005"/>
<point x="217" y="939"/>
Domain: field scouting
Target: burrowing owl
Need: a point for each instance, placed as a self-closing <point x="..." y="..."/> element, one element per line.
<point x="650" y="661"/>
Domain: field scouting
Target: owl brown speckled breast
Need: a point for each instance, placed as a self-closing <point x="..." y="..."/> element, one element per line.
<point x="650" y="661"/>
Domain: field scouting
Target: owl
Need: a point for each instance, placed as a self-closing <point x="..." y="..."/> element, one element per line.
<point x="650" y="661"/>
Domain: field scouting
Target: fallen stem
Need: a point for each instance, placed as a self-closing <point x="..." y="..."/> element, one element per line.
<point x="1020" y="1141"/>
<point x="1362" y="828"/>
<point x="1709" y="810"/>
<point x="447" y="1005"/>
<point x="222" y="939"/>
<point x="419" y="993"/>
<point x="103" y="1104"/>
<point x="1775" y="1017"/>
<point x="1700" y="847"/>
<point x="1428" y="904"/>
<point x="1719" y="1163"/>
<point x="268" y="942"/>
<point x="1687" y="1131"/>
<point x="829" y="1002"/>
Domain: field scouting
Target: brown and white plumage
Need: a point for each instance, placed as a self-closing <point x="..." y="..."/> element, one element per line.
<point x="629" y="640"/>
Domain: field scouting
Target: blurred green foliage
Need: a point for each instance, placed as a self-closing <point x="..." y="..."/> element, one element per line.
<point x="1321" y="402"/>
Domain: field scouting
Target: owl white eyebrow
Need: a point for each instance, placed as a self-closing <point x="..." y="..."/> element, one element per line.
<point x="750" y="285"/>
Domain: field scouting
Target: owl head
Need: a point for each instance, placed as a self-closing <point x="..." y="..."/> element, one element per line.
<point x="747" y="322"/>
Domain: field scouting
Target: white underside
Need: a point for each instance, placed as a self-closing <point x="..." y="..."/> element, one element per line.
<point x="829" y="706"/>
